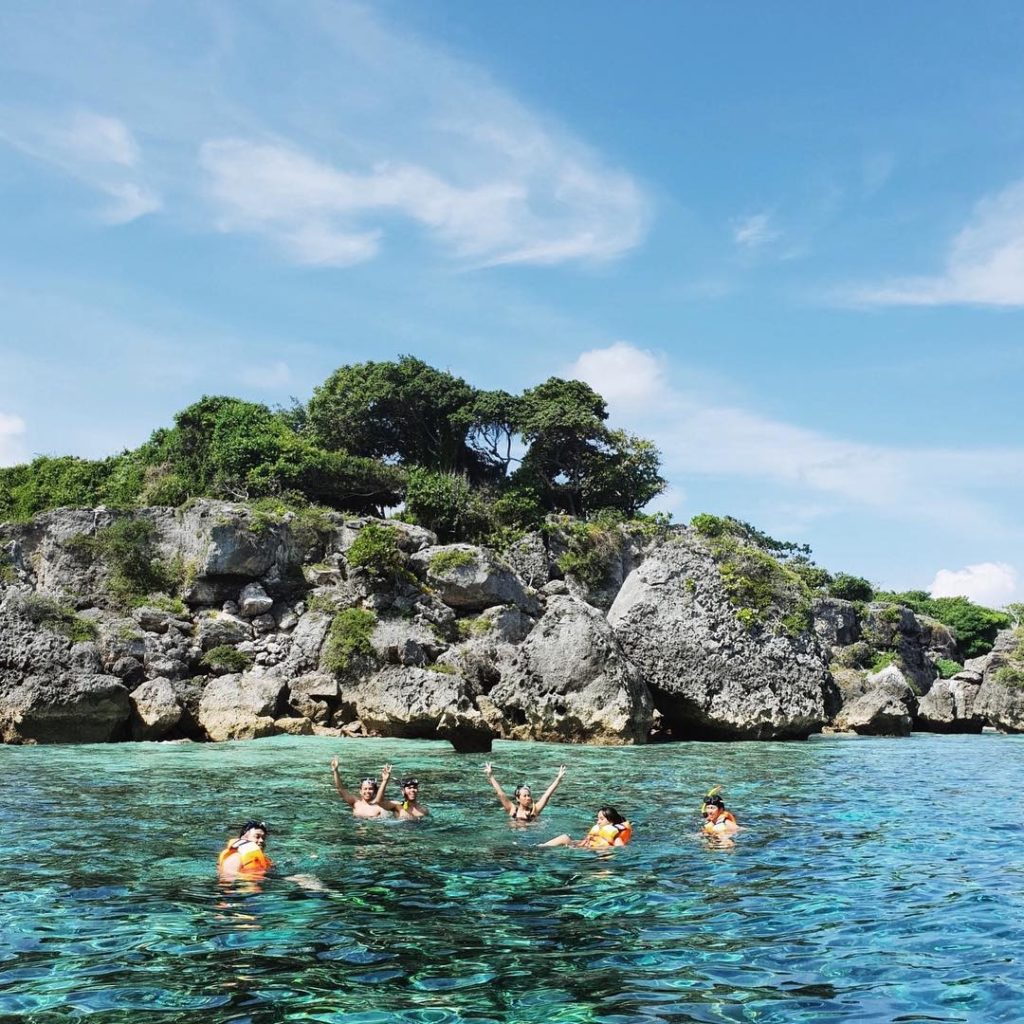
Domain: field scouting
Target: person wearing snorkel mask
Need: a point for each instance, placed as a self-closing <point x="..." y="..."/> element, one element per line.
<point x="521" y="807"/>
<point x="409" y="809"/>
<point x="717" y="820"/>
<point x="368" y="804"/>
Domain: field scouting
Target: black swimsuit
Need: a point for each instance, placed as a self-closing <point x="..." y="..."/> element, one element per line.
<point x="514" y="815"/>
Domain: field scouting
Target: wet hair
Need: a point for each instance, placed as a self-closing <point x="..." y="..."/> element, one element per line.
<point x="613" y="816"/>
<point x="253" y="823"/>
<point x="519" y="789"/>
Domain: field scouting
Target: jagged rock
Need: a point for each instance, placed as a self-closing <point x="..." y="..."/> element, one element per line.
<point x="242" y="707"/>
<point x="466" y="730"/>
<point x="887" y="709"/>
<point x="505" y="624"/>
<point x="216" y="629"/>
<point x="1000" y="698"/>
<point x="836" y="621"/>
<point x="156" y="709"/>
<point x="949" y="706"/>
<point x="410" y="538"/>
<point x="893" y="627"/>
<point x="64" y="709"/>
<point x="471" y="578"/>
<point x="152" y="620"/>
<point x="86" y="659"/>
<point x="529" y="560"/>
<point x="412" y="702"/>
<point x="287" y="620"/>
<point x="709" y="676"/>
<point x="569" y="681"/>
<point x="294" y="726"/>
<point x="555" y="588"/>
<point x="253" y="601"/>
<point x="130" y="671"/>
<point x="264" y="624"/>
<point x="307" y="640"/>
<point x="314" y="696"/>
<point x="406" y="642"/>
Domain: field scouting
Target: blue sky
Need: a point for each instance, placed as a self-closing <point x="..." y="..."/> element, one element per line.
<point x="786" y="241"/>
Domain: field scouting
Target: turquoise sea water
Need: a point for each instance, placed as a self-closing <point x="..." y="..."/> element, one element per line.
<point x="874" y="880"/>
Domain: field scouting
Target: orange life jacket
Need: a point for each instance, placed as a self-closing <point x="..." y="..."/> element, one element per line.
<point x="251" y="857"/>
<point x="601" y="836"/>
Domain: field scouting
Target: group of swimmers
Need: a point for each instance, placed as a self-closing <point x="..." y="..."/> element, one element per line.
<point x="246" y="854"/>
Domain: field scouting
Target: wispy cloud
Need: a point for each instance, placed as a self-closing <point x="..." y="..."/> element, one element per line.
<point x="97" y="150"/>
<point x="699" y="435"/>
<point x="12" y="448"/>
<point x="989" y="583"/>
<point x="755" y="231"/>
<point x="984" y="262"/>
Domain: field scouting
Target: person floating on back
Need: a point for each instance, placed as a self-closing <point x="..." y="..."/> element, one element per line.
<point x="410" y="809"/>
<point x="245" y="855"/>
<point x="521" y="807"/>
<point x="717" y="820"/>
<point x="610" y="829"/>
<point x="368" y="803"/>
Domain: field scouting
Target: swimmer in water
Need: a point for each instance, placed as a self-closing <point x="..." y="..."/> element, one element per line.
<point x="409" y="809"/>
<point x="245" y="855"/>
<point x="610" y="829"/>
<point x="368" y="803"/>
<point x="521" y="807"/>
<point x="717" y="820"/>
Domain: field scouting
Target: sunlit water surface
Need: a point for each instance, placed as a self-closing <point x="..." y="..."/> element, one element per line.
<point x="873" y="880"/>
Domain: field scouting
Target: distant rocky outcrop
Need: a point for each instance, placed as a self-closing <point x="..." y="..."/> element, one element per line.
<point x="221" y="621"/>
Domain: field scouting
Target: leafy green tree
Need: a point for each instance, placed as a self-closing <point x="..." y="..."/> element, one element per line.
<point x="446" y="504"/>
<point x="975" y="626"/>
<point x="851" y="588"/>
<point x="625" y="476"/>
<point x="405" y="412"/>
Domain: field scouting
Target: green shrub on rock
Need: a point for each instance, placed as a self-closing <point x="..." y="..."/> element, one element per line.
<point x="226" y="658"/>
<point x="59" y="618"/>
<point x="850" y="588"/>
<point x="1011" y="675"/>
<point x="448" y="561"/>
<point x="376" y="551"/>
<point x="947" y="668"/>
<point x="348" y="637"/>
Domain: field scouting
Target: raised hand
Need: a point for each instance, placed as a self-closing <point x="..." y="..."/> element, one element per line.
<point x="488" y="770"/>
<point x="334" y="764"/>
<point x="385" y="773"/>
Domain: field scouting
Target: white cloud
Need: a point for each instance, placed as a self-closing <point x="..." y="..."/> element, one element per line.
<point x="755" y="231"/>
<point x="12" y="450"/>
<point x="268" y="377"/>
<point x="94" y="149"/>
<point x="624" y="375"/>
<point x="699" y="434"/>
<point x="319" y="213"/>
<point x="984" y="264"/>
<point x="988" y="583"/>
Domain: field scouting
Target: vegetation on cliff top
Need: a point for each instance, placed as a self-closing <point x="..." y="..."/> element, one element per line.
<point x="467" y="462"/>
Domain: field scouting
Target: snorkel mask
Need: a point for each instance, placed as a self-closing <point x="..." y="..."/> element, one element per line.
<point x="712" y="799"/>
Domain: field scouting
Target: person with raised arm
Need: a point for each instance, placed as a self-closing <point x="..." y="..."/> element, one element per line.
<point x="368" y="802"/>
<point x="521" y="807"/>
<point x="409" y="809"/>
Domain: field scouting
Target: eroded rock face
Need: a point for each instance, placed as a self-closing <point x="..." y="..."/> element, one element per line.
<point x="418" y="703"/>
<point x="65" y="709"/>
<point x="569" y="681"/>
<point x="242" y="706"/>
<point x="709" y="676"/>
<point x="1000" y="698"/>
<point x="156" y="710"/>
<point x="836" y="622"/>
<point x="949" y="706"/>
<point x="887" y="709"/>
<point x="470" y="578"/>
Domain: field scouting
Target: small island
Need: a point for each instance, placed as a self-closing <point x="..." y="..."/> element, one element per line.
<point x="406" y="555"/>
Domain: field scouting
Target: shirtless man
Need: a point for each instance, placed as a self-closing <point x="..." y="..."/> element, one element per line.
<point x="368" y="803"/>
<point x="409" y="808"/>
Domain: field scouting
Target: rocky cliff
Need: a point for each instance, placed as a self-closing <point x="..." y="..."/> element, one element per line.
<point x="222" y="621"/>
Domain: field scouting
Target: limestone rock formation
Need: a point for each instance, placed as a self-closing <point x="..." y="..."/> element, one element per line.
<point x="156" y="709"/>
<point x="570" y="681"/>
<point x="469" y="578"/>
<point x="242" y="706"/>
<point x="886" y="709"/>
<point x="709" y="675"/>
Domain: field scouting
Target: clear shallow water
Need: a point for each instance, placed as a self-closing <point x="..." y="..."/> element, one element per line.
<point x="865" y="886"/>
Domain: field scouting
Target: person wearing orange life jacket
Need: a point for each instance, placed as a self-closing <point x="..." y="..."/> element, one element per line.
<point x="245" y="855"/>
<point x="610" y="829"/>
<point x="717" y="820"/>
